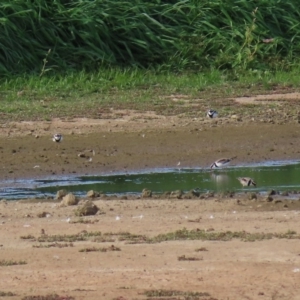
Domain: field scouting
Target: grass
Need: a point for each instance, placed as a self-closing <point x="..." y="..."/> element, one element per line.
<point x="203" y="235"/>
<point x="175" y="293"/>
<point x="44" y="37"/>
<point x="182" y="234"/>
<point x="27" y="237"/>
<point x="6" y="294"/>
<point x="94" y="95"/>
<point x="81" y="236"/>
<point x="48" y="297"/>
<point x="84" y="221"/>
<point x="103" y="249"/>
<point x="54" y="245"/>
<point x="188" y="258"/>
<point x="4" y="262"/>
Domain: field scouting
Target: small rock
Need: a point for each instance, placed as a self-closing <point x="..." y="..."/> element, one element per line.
<point x="271" y="193"/>
<point x="60" y="194"/>
<point x="92" y="194"/>
<point x="269" y="199"/>
<point x="176" y="194"/>
<point x="146" y="193"/>
<point x="69" y="199"/>
<point x="88" y="208"/>
<point x="285" y="193"/>
<point x="252" y="196"/>
<point x="236" y="117"/>
<point x="42" y="215"/>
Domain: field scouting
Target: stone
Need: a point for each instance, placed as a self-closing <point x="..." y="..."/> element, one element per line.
<point x="69" y="199"/>
<point x="176" y="194"/>
<point x="146" y="193"/>
<point x="92" y="194"/>
<point x="60" y="194"/>
<point x="87" y="208"/>
<point x="252" y="196"/>
<point x="271" y="193"/>
<point x="269" y="199"/>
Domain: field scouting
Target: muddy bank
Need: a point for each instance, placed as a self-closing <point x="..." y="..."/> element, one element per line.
<point x="120" y="146"/>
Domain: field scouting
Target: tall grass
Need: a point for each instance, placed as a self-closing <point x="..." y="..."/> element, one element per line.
<point x="187" y="34"/>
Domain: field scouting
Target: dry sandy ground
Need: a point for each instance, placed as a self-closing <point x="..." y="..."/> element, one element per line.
<point x="235" y="269"/>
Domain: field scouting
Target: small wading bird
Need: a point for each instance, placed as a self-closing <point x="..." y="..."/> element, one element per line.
<point x="212" y="114"/>
<point x="222" y="162"/>
<point x="57" y="137"/>
<point x="246" y="181"/>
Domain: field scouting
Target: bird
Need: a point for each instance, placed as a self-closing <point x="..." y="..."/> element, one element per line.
<point x="246" y="181"/>
<point x="212" y="113"/>
<point x="222" y="162"/>
<point x="57" y="137"/>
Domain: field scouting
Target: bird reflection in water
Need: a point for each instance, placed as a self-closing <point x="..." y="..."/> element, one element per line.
<point x="219" y="179"/>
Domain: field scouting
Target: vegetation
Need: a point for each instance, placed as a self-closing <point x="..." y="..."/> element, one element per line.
<point x="173" y="293"/>
<point x="103" y="249"/>
<point x="99" y="94"/>
<point x="4" y="262"/>
<point x="53" y="36"/>
<point x="7" y="294"/>
<point x="48" y="297"/>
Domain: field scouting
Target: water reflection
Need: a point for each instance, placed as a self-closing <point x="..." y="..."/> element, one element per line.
<point x="219" y="179"/>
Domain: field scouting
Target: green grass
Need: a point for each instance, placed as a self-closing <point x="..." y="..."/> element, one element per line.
<point x="69" y="238"/>
<point x="182" y="234"/>
<point x="100" y="94"/>
<point x="170" y="34"/>
<point x="54" y="245"/>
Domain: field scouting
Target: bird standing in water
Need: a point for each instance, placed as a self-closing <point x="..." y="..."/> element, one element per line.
<point x="222" y="162"/>
<point x="246" y="181"/>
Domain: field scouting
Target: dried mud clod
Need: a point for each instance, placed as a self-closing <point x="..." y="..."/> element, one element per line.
<point x="60" y="194"/>
<point x="146" y="193"/>
<point x="92" y="194"/>
<point x="69" y="199"/>
<point x="86" y="208"/>
<point x="176" y="194"/>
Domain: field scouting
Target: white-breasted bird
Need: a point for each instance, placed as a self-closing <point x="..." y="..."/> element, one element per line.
<point x="222" y="162"/>
<point x="57" y="137"/>
<point x="246" y="181"/>
<point x="212" y="113"/>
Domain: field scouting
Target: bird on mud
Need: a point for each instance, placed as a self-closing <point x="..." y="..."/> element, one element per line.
<point x="57" y="137"/>
<point x="222" y="162"/>
<point x="212" y="113"/>
<point x="246" y="181"/>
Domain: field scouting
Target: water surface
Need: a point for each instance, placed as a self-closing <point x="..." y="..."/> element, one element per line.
<point x="280" y="176"/>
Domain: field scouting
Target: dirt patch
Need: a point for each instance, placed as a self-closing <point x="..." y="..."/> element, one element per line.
<point x="265" y="99"/>
<point x="108" y="265"/>
<point x="139" y="142"/>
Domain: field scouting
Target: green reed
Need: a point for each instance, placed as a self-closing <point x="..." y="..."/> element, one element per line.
<point x="175" y="35"/>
